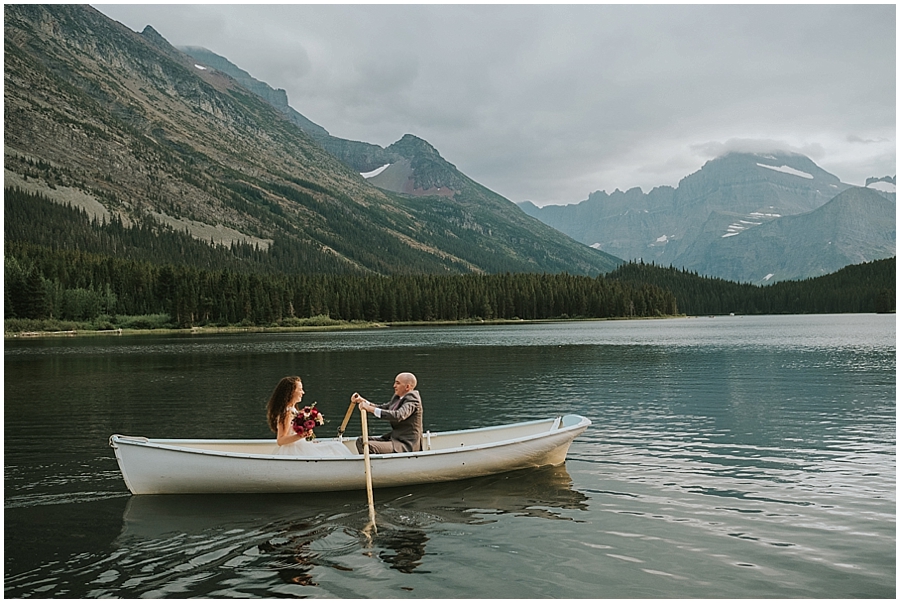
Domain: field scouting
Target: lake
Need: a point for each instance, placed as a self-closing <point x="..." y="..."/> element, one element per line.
<point x="728" y="457"/>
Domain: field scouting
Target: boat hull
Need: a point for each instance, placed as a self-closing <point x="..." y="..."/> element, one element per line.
<point x="248" y="466"/>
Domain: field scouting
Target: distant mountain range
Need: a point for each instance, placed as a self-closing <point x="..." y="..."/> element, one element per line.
<point x="758" y="218"/>
<point x="125" y="125"/>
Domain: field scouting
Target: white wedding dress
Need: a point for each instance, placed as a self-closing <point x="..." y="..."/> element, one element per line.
<point x="315" y="448"/>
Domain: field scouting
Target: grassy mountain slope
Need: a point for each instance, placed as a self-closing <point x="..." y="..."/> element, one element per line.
<point x="124" y="123"/>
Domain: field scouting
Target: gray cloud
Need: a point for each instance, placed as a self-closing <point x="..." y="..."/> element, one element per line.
<point x="550" y="103"/>
<point x="739" y="145"/>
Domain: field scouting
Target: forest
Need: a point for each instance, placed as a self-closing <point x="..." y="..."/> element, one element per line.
<point x="72" y="285"/>
<point x="868" y="287"/>
<point x="65" y="271"/>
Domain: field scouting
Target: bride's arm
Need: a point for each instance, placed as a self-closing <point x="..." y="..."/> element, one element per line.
<point x="286" y="434"/>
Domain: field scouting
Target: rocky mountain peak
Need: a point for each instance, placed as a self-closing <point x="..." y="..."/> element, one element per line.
<point x="775" y="165"/>
<point x="156" y="39"/>
<point x="411" y="146"/>
<point x="416" y="168"/>
<point x="151" y="34"/>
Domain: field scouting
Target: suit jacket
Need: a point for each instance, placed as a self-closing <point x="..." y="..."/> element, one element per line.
<point x="405" y="416"/>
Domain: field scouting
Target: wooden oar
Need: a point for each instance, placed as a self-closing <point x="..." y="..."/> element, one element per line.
<point x="365" y="438"/>
<point x="343" y="426"/>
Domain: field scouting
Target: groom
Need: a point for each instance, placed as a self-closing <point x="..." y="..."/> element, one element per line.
<point x="404" y="412"/>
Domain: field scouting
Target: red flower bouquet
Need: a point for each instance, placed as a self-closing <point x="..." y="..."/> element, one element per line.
<point x="307" y="419"/>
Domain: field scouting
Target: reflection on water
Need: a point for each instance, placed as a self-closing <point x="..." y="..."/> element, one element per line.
<point x="541" y="493"/>
<point x="408" y="548"/>
<point x="728" y="457"/>
<point x="248" y="545"/>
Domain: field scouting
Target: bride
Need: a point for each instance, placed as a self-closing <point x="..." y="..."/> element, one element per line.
<point x="281" y="410"/>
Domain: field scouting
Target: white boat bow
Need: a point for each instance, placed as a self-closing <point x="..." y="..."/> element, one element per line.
<point x="170" y="466"/>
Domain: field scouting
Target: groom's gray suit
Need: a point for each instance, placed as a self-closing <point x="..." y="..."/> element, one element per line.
<point x="405" y="415"/>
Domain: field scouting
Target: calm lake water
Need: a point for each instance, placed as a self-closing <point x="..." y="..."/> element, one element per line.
<point x="728" y="457"/>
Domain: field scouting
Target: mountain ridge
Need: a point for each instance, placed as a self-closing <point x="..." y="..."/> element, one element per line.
<point x="409" y="166"/>
<point x="143" y="129"/>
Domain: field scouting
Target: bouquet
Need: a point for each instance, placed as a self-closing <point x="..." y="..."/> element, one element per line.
<point x="307" y="419"/>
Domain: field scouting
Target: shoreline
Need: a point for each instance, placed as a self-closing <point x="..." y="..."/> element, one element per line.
<point x="344" y="326"/>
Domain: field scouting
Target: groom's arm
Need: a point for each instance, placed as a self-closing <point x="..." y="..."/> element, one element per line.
<point x="407" y="408"/>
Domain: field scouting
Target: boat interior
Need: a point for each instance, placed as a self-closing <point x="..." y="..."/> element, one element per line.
<point x="437" y="441"/>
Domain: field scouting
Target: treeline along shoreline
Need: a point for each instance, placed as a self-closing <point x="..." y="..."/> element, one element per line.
<point x="63" y="271"/>
<point x="73" y="285"/>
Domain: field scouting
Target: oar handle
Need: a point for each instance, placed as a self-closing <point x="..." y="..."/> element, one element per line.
<point x="346" y="419"/>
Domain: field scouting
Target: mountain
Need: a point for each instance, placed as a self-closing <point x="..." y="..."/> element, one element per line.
<point x="130" y="128"/>
<point x="730" y="219"/>
<point x="362" y="157"/>
<point x="410" y="167"/>
<point x="857" y="226"/>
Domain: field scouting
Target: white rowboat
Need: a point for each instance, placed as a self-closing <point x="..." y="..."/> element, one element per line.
<point x="168" y="466"/>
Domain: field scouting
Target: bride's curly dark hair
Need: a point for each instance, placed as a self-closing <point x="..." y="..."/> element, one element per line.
<point x="280" y="401"/>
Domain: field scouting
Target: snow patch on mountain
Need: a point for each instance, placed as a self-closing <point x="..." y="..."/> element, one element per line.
<point x="787" y="170"/>
<point x="753" y="219"/>
<point x="375" y="172"/>
<point x="738" y="227"/>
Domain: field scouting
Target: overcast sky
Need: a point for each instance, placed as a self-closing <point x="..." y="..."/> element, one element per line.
<point x="550" y="103"/>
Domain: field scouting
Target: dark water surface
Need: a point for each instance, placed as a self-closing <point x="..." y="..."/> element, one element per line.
<point x="728" y="457"/>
